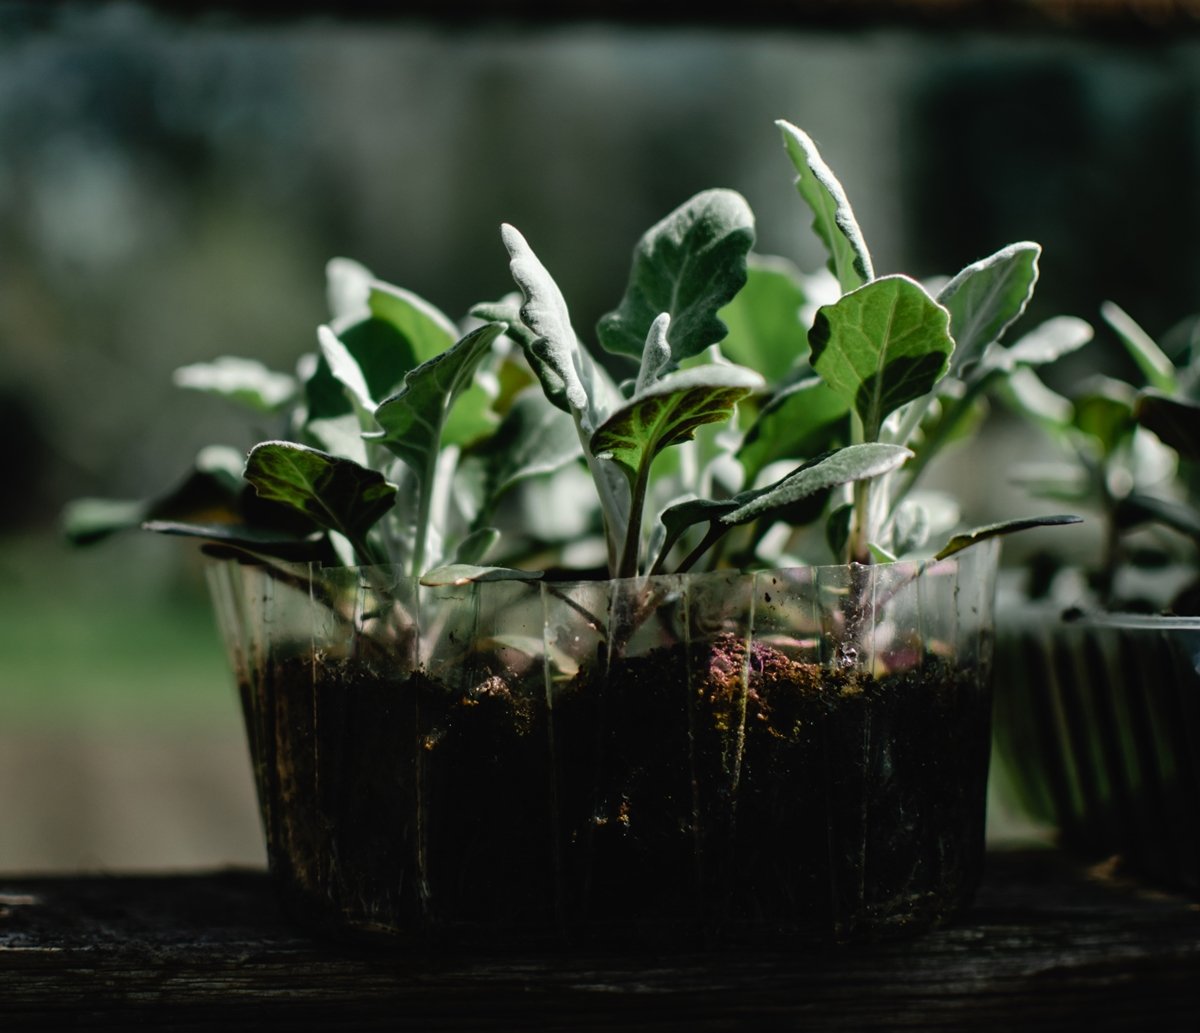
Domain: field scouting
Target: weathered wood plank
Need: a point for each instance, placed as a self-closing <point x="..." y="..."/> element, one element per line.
<point x="1049" y="946"/>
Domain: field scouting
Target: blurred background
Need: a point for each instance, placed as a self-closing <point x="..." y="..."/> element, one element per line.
<point x="171" y="186"/>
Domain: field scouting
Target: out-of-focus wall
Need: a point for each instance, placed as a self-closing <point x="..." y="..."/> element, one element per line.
<point x="170" y="192"/>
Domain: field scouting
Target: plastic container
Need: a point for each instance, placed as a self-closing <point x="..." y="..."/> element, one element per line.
<point x="682" y="760"/>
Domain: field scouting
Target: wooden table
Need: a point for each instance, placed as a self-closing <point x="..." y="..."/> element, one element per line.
<point x="1049" y="945"/>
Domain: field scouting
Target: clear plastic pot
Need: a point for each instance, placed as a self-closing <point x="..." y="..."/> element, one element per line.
<point x="1098" y="730"/>
<point x="713" y="758"/>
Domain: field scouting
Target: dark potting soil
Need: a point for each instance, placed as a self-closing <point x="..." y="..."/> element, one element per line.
<point x="690" y="795"/>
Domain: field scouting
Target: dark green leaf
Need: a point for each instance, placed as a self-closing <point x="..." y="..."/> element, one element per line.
<point x="981" y="534"/>
<point x="987" y="297"/>
<point x="801" y="421"/>
<point x="1104" y="409"/>
<point x="765" y="333"/>
<point x="335" y="493"/>
<point x="688" y="265"/>
<point x="210" y="491"/>
<point x="1139" y="508"/>
<point x="414" y="418"/>
<point x="1176" y="421"/>
<point x="261" y="540"/>
<point x="833" y="218"/>
<point x="881" y="346"/>
<point x="670" y="411"/>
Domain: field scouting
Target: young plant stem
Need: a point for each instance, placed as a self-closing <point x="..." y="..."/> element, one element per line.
<point x="633" y="529"/>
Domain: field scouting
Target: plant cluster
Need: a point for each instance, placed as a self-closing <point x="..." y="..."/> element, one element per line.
<point x="1131" y="453"/>
<point x="714" y="425"/>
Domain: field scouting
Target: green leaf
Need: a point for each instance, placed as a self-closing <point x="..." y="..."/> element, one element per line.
<point x="1138" y="508"/>
<point x="554" y="352"/>
<point x="262" y="540"/>
<point x="987" y="297"/>
<point x="689" y="265"/>
<point x="981" y="534"/>
<point x="241" y="380"/>
<point x="1158" y="370"/>
<point x="347" y="288"/>
<point x="670" y="411"/>
<point x="1176" y="421"/>
<point x="1104" y="408"/>
<point x="1025" y="393"/>
<point x="454" y="574"/>
<point x="426" y="328"/>
<point x="833" y="218"/>
<point x="880" y="346"/>
<point x="801" y="421"/>
<point x="852" y="463"/>
<point x="534" y="438"/>
<point x="765" y="332"/>
<point x="335" y="493"/>
<point x="413" y="419"/>
<point x="656" y="355"/>
<point x="345" y="370"/>
<point x="211" y="491"/>
<point x="1045" y="343"/>
<point x="506" y="310"/>
<point x="476" y="545"/>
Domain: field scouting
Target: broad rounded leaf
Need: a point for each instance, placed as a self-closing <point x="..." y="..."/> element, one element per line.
<point x="881" y="346"/>
<point x="670" y="411"/>
<point x="765" y="332"/>
<point x="689" y="265"/>
<point x="987" y="297"/>
<point x="335" y="493"/>
<point x="833" y="218"/>
<point x="801" y="421"/>
<point x="425" y="327"/>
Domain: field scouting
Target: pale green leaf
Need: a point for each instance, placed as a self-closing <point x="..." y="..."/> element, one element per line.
<point x="656" y="355"/>
<point x="987" y="297"/>
<point x="554" y="353"/>
<point x="455" y="574"/>
<point x="689" y="265"/>
<point x="1045" y="343"/>
<point x="852" y="463"/>
<point x="246" y="381"/>
<point x="1158" y="370"/>
<point x="833" y="218"/>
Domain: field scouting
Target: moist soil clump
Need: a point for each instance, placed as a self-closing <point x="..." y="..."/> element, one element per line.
<point x="710" y="793"/>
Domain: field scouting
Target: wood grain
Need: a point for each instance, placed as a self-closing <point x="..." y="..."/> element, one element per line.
<point x="1049" y="945"/>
